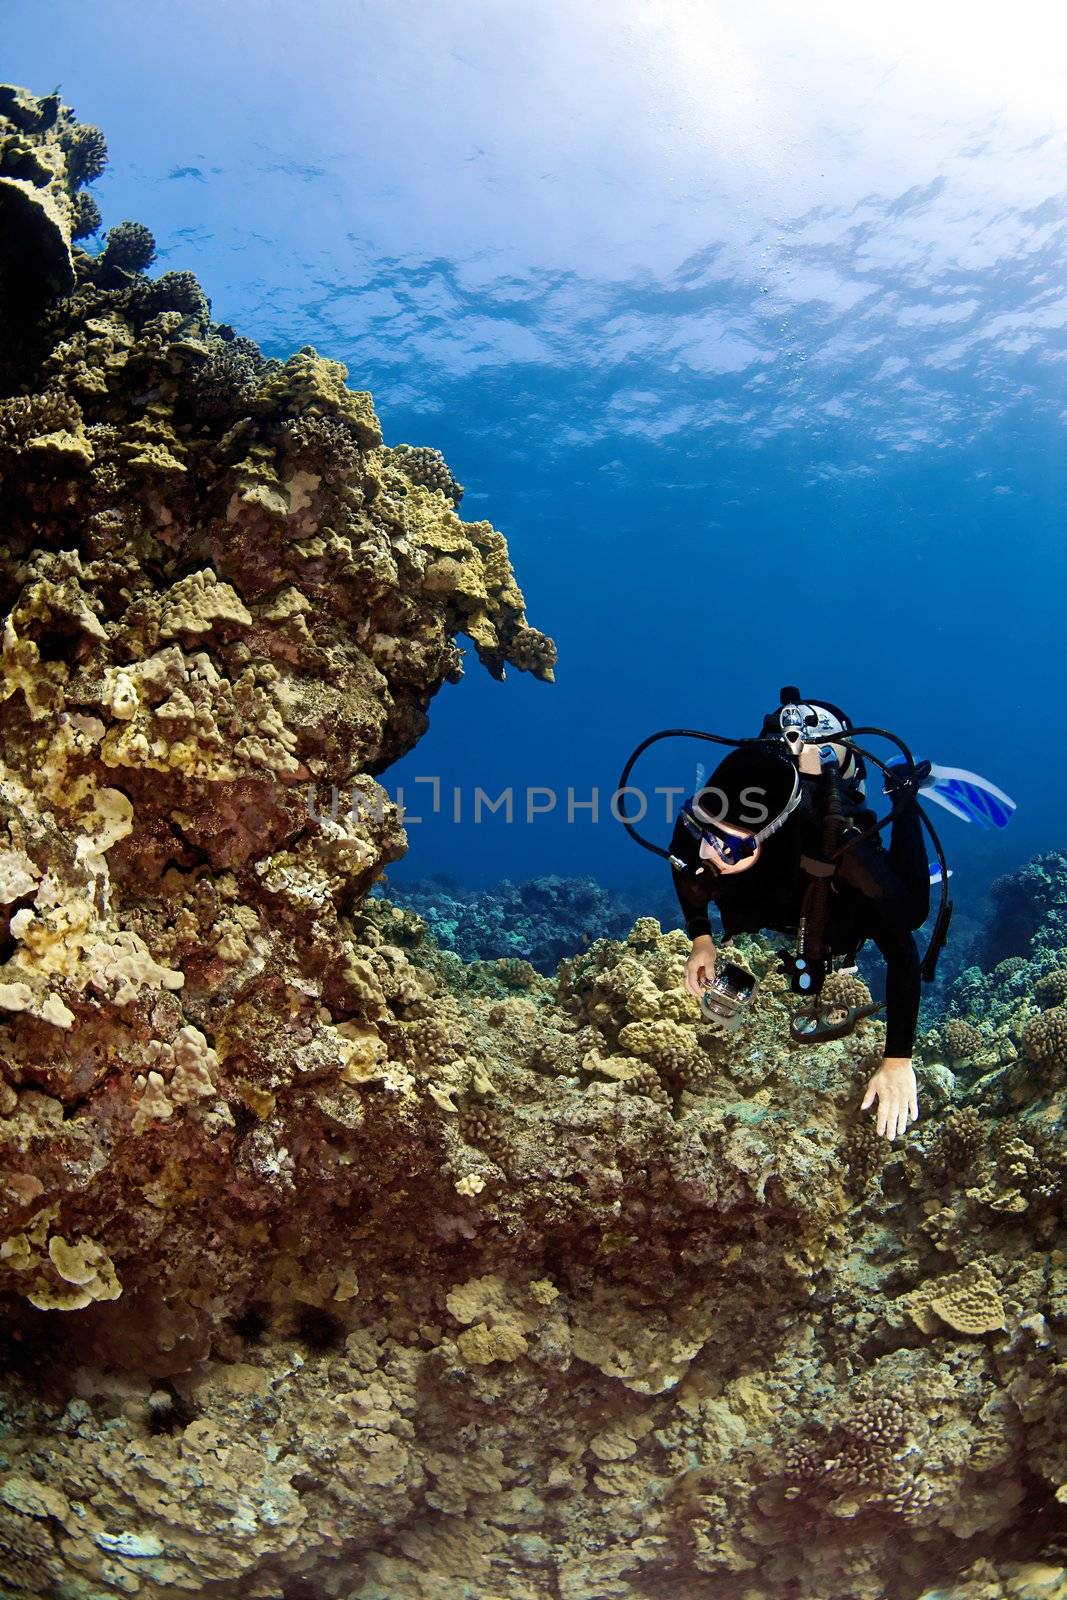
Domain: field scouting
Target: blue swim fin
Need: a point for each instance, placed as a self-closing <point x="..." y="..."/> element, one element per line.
<point x="965" y="794"/>
<point x="934" y="869"/>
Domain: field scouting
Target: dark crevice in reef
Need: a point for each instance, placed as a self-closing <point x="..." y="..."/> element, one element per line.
<point x="169" y="1411"/>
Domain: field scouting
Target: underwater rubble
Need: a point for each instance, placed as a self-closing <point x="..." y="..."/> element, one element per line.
<point x="329" y="1268"/>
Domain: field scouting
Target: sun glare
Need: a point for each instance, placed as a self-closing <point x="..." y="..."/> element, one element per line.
<point x="1007" y="58"/>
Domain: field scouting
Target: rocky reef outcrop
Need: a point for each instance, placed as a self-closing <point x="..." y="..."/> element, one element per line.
<point x="1027" y="912"/>
<point x="534" y="920"/>
<point x="333" y="1270"/>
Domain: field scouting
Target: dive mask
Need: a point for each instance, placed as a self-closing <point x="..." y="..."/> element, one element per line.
<point x="717" y="843"/>
<point x="728" y="848"/>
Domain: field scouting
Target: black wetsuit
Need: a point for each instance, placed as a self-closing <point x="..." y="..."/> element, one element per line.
<point x="877" y="893"/>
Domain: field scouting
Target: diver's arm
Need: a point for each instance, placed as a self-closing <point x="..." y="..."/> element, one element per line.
<point x="867" y="868"/>
<point x="700" y="966"/>
<point x="692" y="899"/>
<point x="902" y="985"/>
<point x="902" y="990"/>
<point x="893" y="1085"/>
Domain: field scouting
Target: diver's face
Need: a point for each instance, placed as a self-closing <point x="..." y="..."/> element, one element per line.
<point x="719" y="862"/>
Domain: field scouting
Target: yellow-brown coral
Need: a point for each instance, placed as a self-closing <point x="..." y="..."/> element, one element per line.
<point x="1045" y="1038"/>
<point x="961" y="1039"/>
<point x="967" y="1301"/>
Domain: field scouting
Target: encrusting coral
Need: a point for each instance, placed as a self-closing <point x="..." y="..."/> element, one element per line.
<point x="46" y="156"/>
<point x="332" y="1266"/>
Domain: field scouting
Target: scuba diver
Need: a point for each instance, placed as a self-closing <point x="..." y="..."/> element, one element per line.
<point x="780" y="838"/>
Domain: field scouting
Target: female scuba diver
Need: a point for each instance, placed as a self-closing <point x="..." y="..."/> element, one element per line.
<point x="780" y="839"/>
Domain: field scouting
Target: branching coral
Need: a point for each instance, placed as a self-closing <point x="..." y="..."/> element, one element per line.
<point x="865" y="1156"/>
<point x="961" y="1039"/>
<point x="1031" y="1163"/>
<point x="642" y="1078"/>
<point x="130" y="247"/>
<point x="181" y="291"/>
<point x="223" y="381"/>
<point x="25" y="419"/>
<point x="956" y="1143"/>
<point x="86" y="149"/>
<point x="844" y="989"/>
<point x="1051" y="989"/>
<point x="322" y="444"/>
<point x="1045" y="1039"/>
<point x="429" y="468"/>
<point x="85" y="217"/>
<point x="867" y="1455"/>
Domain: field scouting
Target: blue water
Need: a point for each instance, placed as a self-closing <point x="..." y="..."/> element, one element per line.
<point x="747" y="331"/>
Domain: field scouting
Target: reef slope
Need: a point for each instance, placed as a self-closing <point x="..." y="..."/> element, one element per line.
<point x="331" y="1267"/>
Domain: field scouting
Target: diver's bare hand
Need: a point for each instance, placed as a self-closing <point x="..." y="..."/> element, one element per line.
<point x="896" y="1091"/>
<point x="700" y="967"/>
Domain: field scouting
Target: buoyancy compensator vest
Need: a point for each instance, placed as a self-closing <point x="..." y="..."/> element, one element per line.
<point x="841" y="819"/>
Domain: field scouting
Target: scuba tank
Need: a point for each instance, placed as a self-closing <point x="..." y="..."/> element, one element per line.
<point x="839" y="793"/>
<point x="798" y="722"/>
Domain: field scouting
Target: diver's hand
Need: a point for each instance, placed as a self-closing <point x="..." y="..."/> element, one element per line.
<point x="700" y="967"/>
<point x="896" y="1091"/>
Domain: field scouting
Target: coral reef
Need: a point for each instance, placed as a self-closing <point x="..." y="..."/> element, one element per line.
<point x="499" y="1327"/>
<point x="334" y="1266"/>
<point x="1028" y="912"/>
<point x="429" y="468"/>
<point x="46" y="156"/>
<point x="129" y="248"/>
<point x="961" y="1039"/>
<point x="538" y="920"/>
